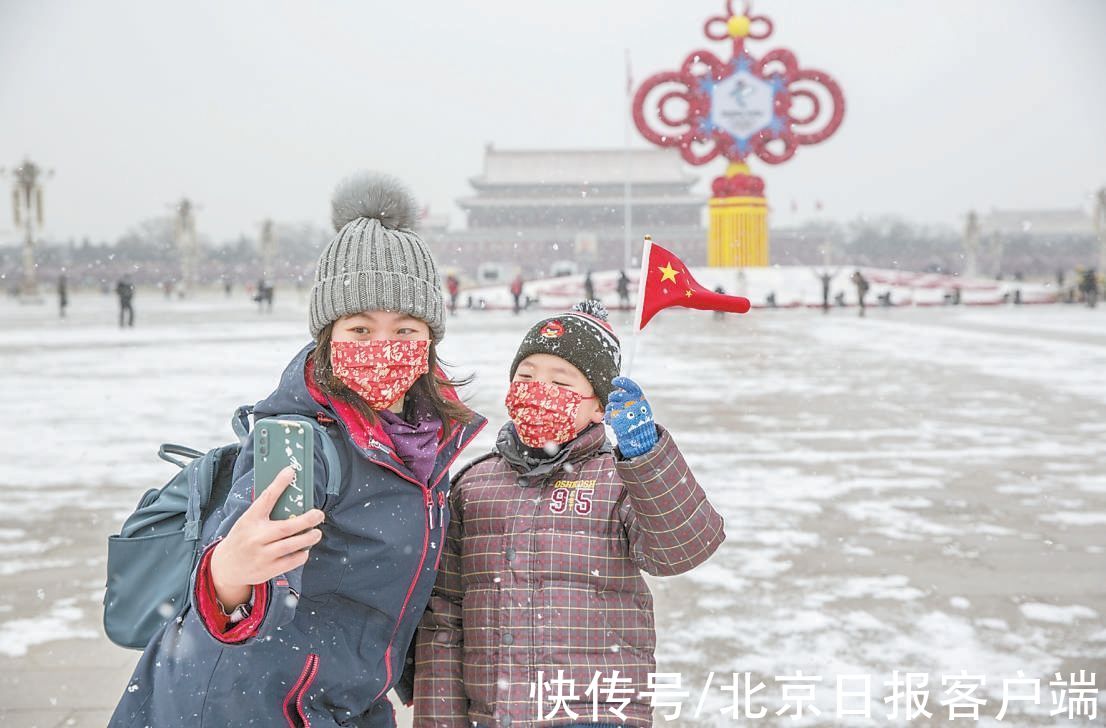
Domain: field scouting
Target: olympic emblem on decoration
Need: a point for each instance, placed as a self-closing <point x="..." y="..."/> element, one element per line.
<point x="742" y="107"/>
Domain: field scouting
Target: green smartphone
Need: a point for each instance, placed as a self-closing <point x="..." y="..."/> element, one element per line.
<point x="276" y="445"/>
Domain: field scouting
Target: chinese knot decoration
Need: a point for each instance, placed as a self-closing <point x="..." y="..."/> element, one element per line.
<point x="740" y="107"/>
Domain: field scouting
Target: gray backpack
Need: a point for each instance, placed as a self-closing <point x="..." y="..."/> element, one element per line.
<point x="150" y="562"/>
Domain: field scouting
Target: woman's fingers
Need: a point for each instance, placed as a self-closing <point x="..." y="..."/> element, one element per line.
<point x="278" y="530"/>
<point x="290" y="563"/>
<point x="264" y="501"/>
<point x="293" y="544"/>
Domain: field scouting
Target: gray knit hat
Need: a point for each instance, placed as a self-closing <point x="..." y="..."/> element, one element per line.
<point x="376" y="261"/>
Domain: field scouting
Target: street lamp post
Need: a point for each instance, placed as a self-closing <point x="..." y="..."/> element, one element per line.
<point x="27" y="209"/>
<point x="971" y="245"/>
<point x="267" y="245"/>
<point x="739" y="274"/>
<point x="1100" y="228"/>
<point x="185" y="234"/>
<point x="998" y="248"/>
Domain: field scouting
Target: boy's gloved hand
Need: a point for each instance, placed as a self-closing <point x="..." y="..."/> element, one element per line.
<point x="631" y="418"/>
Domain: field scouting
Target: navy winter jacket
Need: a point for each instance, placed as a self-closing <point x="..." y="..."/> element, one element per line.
<point x="334" y="634"/>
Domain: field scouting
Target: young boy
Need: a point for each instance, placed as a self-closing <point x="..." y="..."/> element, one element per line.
<point x="547" y="539"/>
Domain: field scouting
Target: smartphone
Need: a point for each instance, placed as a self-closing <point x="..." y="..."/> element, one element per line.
<point x="276" y="445"/>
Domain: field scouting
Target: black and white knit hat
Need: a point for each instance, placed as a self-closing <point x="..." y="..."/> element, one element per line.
<point x="376" y="261"/>
<point x="583" y="338"/>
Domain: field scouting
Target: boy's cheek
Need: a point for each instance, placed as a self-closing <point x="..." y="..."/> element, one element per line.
<point x="593" y="414"/>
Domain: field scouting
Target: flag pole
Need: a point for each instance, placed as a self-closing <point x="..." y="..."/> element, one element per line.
<point x="628" y="213"/>
<point x="646" y="250"/>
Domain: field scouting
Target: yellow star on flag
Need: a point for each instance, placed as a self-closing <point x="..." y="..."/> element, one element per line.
<point x="668" y="273"/>
<point x="688" y="294"/>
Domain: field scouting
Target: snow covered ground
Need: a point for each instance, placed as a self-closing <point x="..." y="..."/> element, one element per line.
<point x="920" y="490"/>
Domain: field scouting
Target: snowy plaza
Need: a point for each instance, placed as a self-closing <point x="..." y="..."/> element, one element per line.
<point x="921" y="490"/>
<point x="796" y="308"/>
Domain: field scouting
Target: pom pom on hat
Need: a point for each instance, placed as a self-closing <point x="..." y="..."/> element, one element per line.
<point x="374" y="196"/>
<point x="592" y="308"/>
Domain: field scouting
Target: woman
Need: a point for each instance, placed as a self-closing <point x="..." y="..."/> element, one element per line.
<point x="307" y="622"/>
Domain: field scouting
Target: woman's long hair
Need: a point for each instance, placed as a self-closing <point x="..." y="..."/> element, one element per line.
<point x="427" y="389"/>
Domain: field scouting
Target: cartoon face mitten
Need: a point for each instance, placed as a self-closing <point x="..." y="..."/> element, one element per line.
<point x="631" y="418"/>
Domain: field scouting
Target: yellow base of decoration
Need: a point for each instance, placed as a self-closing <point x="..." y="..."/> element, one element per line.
<point x="738" y="233"/>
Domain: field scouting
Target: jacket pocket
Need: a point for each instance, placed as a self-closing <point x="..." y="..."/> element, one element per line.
<point x="627" y="618"/>
<point x="293" y="701"/>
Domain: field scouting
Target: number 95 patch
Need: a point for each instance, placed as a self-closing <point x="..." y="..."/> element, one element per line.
<point x="572" y="496"/>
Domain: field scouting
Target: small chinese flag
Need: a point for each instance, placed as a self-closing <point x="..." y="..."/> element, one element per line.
<point x="666" y="282"/>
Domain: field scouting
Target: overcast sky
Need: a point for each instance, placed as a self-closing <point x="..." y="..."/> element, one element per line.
<point x="256" y="108"/>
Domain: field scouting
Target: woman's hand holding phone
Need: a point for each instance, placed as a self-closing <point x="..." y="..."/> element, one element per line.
<point x="257" y="548"/>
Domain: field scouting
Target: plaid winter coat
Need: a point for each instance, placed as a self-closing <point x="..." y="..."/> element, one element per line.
<point x="541" y="572"/>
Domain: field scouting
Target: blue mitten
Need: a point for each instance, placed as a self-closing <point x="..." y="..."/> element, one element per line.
<point x="631" y="418"/>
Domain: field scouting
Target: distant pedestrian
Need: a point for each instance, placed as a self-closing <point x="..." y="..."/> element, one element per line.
<point x="516" y="292"/>
<point x="589" y="287"/>
<point x="264" y="296"/>
<point x="1088" y="286"/>
<point x="623" y="289"/>
<point x="719" y="314"/>
<point x="125" y="290"/>
<point x="826" y="278"/>
<point x="63" y="294"/>
<point x="453" y="287"/>
<point x="862" y="286"/>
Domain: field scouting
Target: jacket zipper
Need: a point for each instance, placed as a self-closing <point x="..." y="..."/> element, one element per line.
<point x="403" y="609"/>
<point x="428" y="499"/>
<point x="299" y="689"/>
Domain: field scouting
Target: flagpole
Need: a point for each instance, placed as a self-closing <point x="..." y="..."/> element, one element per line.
<point x="646" y="250"/>
<point x="628" y="213"/>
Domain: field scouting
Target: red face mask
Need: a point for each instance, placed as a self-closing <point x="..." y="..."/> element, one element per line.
<point x="380" y="371"/>
<point x="543" y="413"/>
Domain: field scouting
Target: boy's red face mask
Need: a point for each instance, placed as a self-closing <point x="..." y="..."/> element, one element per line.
<point x="543" y="413"/>
<point x="380" y="372"/>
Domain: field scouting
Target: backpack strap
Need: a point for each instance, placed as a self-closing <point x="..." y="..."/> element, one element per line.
<point x="200" y="476"/>
<point x="171" y="453"/>
<point x="240" y="421"/>
<point x="330" y="454"/>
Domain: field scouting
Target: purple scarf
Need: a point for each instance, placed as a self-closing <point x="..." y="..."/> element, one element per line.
<point x="416" y="443"/>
